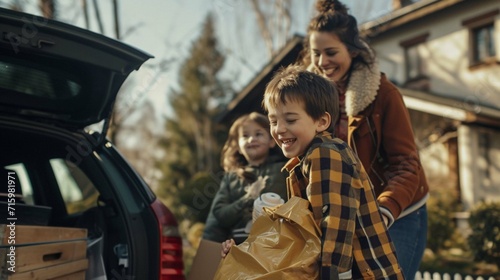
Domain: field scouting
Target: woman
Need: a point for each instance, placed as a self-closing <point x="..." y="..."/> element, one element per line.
<point x="375" y="122"/>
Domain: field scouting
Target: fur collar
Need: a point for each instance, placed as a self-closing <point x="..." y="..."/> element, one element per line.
<point x="362" y="89"/>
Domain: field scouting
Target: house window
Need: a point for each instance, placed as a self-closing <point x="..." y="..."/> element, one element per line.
<point x="482" y="48"/>
<point x="415" y="65"/>
<point x="483" y="43"/>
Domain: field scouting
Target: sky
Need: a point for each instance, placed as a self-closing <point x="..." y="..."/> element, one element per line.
<point x="167" y="28"/>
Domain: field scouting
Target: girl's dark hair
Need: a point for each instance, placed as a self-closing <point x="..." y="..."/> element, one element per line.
<point x="333" y="17"/>
<point x="231" y="159"/>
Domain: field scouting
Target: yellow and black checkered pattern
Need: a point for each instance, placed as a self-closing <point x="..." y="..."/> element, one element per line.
<point x="354" y="236"/>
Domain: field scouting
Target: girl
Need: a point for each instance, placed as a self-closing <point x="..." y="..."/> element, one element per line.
<point x="252" y="165"/>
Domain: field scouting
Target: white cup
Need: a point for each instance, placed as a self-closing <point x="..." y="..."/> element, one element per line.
<point x="265" y="200"/>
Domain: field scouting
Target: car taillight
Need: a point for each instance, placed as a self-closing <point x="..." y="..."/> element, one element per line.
<point x="171" y="263"/>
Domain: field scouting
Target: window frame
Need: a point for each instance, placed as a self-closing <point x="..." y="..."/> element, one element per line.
<point x="474" y="24"/>
<point x="75" y="177"/>
<point x="408" y="45"/>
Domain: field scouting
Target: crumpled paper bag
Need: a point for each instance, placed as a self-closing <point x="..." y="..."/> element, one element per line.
<point x="283" y="243"/>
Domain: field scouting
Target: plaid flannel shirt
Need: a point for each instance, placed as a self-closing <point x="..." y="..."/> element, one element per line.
<point x="354" y="237"/>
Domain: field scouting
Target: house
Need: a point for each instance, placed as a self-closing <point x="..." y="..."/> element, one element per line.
<point x="444" y="55"/>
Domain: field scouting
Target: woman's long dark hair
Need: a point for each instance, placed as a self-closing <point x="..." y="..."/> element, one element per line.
<point x="333" y="17"/>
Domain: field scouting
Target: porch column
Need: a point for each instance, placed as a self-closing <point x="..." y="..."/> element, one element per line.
<point x="467" y="153"/>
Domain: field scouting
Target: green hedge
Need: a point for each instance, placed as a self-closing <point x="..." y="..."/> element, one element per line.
<point x="484" y="240"/>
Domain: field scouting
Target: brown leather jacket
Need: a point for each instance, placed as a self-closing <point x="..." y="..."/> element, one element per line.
<point x="380" y="132"/>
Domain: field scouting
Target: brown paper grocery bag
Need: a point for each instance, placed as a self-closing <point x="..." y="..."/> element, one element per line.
<point x="282" y="244"/>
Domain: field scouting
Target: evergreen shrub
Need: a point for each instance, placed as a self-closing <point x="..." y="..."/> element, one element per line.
<point x="484" y="240"/>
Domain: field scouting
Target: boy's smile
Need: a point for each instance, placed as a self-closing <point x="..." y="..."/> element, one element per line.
<point x="292" y="128"/>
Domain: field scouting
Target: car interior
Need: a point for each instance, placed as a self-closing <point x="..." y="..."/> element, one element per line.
<point x="58" y="183"/>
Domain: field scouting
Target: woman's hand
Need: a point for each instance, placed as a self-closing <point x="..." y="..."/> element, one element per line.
<point x="226" y="245"/>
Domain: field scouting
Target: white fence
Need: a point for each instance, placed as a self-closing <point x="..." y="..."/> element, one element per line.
<point x="446" y="276"/>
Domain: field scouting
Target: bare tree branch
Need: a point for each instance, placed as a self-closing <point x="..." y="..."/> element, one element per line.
<point x="131" y="30"/>
<point x="117" y="19"/>
<point x="264" y="30"/>
<point x="47" y="8"/>
<point x="98" y="16"/>
<point x="85" y="13"/>
<point x="284" y="22"/>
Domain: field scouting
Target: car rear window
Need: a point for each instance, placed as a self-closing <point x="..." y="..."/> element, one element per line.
<point x="40" y="80"/>
<point x="77" y="191"/>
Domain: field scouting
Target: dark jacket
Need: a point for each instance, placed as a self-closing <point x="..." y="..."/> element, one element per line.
<point x="231" y="212"/>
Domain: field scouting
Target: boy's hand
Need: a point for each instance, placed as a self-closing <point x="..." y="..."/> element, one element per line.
<point x="226" y="245"/>
<point x="256" y="187"/>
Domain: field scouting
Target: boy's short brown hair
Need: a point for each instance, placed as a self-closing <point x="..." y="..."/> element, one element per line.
<point x="294" y="83"/>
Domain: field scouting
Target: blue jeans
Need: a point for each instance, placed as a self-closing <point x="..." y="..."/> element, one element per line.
<point x="409" y="235"/>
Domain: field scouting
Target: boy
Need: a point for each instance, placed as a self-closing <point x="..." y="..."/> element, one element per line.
<point x="302" y="109"/>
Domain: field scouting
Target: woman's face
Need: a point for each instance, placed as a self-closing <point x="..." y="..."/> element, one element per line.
<point x="329" y="55"/>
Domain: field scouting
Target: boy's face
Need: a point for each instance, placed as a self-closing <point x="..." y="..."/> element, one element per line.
<point x="293" y="129"/>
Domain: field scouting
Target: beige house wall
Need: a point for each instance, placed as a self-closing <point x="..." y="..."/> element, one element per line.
<point x="445" y="53"/>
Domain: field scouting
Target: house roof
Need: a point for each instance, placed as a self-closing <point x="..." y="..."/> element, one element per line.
<point x="250" y="97"/>
<point x="449" y="107"/>
<point x="410" y="13"/>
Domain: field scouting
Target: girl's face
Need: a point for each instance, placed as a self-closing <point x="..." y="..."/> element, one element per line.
<point x="254" y="142"/>
<point x="330" y="55"/>
<point x="293" y="129"/>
